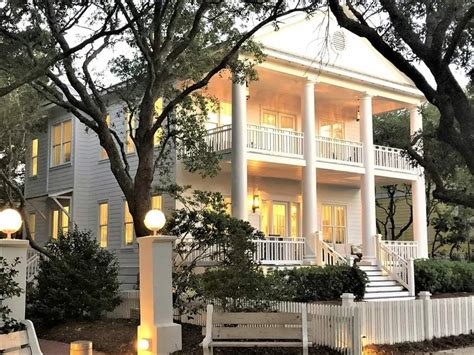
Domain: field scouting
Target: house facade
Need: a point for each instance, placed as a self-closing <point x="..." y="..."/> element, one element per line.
<point x="297" y="154"/>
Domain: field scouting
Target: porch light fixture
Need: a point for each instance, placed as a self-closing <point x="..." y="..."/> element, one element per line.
<point x="144" y="344"/>
<point x="10" y="222"/>
<point x="155" y="221"/>
<point x="255" y="202"/>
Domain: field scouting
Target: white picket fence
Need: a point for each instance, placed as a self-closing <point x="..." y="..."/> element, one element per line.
<point x="347" y="328"/>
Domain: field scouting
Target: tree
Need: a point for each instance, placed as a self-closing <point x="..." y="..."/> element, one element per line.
<point x="437" y="34"/>
<point x="173" y="49"/>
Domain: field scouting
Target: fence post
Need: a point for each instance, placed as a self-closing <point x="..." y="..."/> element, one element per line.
<point x="347" y="300"/>
<point x="357" y="332"/>
<point x="425" y="296"/>
<point x="319" y="251"/>
<point x="411" y="277"/>
<point x="378" y="242"/>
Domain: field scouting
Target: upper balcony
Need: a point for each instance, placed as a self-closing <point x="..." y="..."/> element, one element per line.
<point x="285" y="146"/>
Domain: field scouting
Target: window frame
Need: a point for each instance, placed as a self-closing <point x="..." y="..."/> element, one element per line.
<point x="331" y="123"/>
<point x="61" y="216"/>
<point x="100" y="223"/>
<point x="332" y="240"/>
<point x="62" y="143"/>
<point x="278" y="118"/>
<point x="124" y="226"/>
<point x="34" y="158"/>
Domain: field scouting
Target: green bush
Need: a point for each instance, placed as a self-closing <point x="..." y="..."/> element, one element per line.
<point x="314" y="283"/>
<point x="8" y="288"/>
<point x="444" y="276"/>
<point x="80" y="281"/>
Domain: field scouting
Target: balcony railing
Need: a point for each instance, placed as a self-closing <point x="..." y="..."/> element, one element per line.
<point x="289" y="144"/>
<point x="279" y="251"/>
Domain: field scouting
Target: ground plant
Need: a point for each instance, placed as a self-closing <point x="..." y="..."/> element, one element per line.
<point x="444" y="276"/>
<point x="78" y="282"/>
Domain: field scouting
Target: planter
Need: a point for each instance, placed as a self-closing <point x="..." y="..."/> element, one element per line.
<point x="13" y="340"/>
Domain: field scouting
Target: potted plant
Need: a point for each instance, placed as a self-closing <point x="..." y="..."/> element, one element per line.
<point x="13" y="333"/>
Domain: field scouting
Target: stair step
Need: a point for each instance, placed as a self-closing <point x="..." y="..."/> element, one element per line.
<point x="385" y="282"/>
<point x="386" y="294"/>
<point x="379" y="278"/>
<point x="375" y="273"/>
<point x="384" y="288"/>
<point x="368" y="267"/>
<point x="404" y="298"/>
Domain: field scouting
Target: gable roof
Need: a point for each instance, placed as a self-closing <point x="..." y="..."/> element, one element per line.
<point x="325" y="45"/>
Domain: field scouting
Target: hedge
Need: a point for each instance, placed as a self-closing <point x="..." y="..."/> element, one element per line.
<point x="444" y="276"/>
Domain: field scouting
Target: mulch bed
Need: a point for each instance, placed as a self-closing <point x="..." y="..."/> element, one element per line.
<point x="437" y="344"/>
<point x="118" y="336"/>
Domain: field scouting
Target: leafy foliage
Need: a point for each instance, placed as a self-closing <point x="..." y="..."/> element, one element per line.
<point x="444" y="276"/>
<point x="9" y="288"/>
<point x="79" y="281"/>
<point x="310" y="284"/>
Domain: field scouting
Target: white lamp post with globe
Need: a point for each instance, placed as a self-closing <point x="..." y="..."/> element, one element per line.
<point x="157" y="334"/>
<point x="11" y="250"/>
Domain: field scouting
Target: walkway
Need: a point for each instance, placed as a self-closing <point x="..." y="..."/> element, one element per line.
<point x="49" y="347"/>
<point x="469" y="351"/>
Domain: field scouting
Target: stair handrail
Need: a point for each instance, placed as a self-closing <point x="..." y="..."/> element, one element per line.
<point x="32" y="264"/>
<point x="327" y="255"/>
<point x="402" y="270"/>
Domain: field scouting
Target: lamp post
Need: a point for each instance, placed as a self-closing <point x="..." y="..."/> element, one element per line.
<point x="157" y="334"/>
<point x="10" y="222"/>
<point x="11" y="250"/>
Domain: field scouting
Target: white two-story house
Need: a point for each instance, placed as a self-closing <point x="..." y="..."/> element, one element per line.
<point x="298" y="159"/>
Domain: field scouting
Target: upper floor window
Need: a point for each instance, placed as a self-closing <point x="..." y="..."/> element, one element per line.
<point x="158" y="111"/>
<point x="333" y="220"/>
<point x="60" y="222"/>
<point x="34" y="157"/>
<point x="278" y="120"/>
<point x="332" y="129"/>
<point x="103" y="223"/>
<point x="156" y="202"/>
<point x="32" y="225"/>
<point x="61" y="143"/>
<point x="219" y="116"/>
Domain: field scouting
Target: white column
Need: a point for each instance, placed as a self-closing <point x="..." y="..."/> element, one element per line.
<point x="239" y="151"/>
<point x="420" y="229"/>
<point x="156" y="298"/>
<point x="10" y="249"/>
<point x="369" y="228"/>
<point x="310" y="211"/>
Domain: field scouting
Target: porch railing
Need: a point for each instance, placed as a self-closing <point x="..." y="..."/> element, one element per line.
<point x="220" y="138"/>
<point x="400" y="269"/>
<point x="406" y="249"/>
<point x="279" y="251"/>
<point x="32" y="264"/>
<point x="327" y="254"/>
<point x="331" y="149"/>
<point x="392" y="159"/>
<point x="274" y="141"/>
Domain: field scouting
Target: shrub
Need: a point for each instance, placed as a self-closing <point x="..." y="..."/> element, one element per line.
<point x="314" y="283"/>
<point x="444" y="276"/>
<point x="9" y="288"/>
<point x="78" y="282"/>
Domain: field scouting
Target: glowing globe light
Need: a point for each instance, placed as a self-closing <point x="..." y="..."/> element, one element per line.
<point x="155" y="220"/>
<point x="10" y="221"/>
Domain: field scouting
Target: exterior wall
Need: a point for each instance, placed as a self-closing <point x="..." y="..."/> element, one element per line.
<point x="40" y="207"/>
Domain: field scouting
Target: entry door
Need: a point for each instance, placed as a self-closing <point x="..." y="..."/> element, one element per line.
<point x="333" y="220"/>
<point x="280" y="219"/>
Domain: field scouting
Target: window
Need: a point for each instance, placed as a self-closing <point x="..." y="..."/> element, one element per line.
<point x="158" y="111"/>
<point x="130" y="123"/>
<point x="333" y="222"/>
<point x="269" y="118"/>
<point x="228" y="205"/>
<point x="294" y="220"/>
<point x="218" y="116"/>
<point x="32" y="225"/>
<point x="280" y="219"/>
<point x="332" y="130"/>
<point x="225" y="113"/>
<point x="61" y="143"/>
<point x="287" y="121"/>
<point x="60" y="222"/>
<point x="156" y="202"/>
<point x="278" y="120"/>
<point x="103" y="152"/>
<point x="103" y="223"/>
<point x="34" y="158"/>
<point x="128" y="226"/>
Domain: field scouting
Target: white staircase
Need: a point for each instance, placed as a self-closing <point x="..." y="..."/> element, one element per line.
<point x="382" y="286"/>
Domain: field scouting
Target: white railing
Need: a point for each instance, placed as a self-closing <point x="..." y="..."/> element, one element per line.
<point x="279" y="251"/>
<point x="344" y="151"/>
<point x="32" y="264"/>
<point x="392" y="159"/>
<point x="328" y="255"/>
<point x="406" y="249"/>
<point x="400" y="269"/>
<point x="274" y="141"/>
<point x="190" y="252"/>
<point x="220" y="138"/>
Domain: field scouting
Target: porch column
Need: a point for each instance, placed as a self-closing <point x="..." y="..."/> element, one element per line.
<point x="239" y="151"/>
<point x="369" y="228"/>
<point x="310" y="212"/>
<point x="420" y="229"/>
